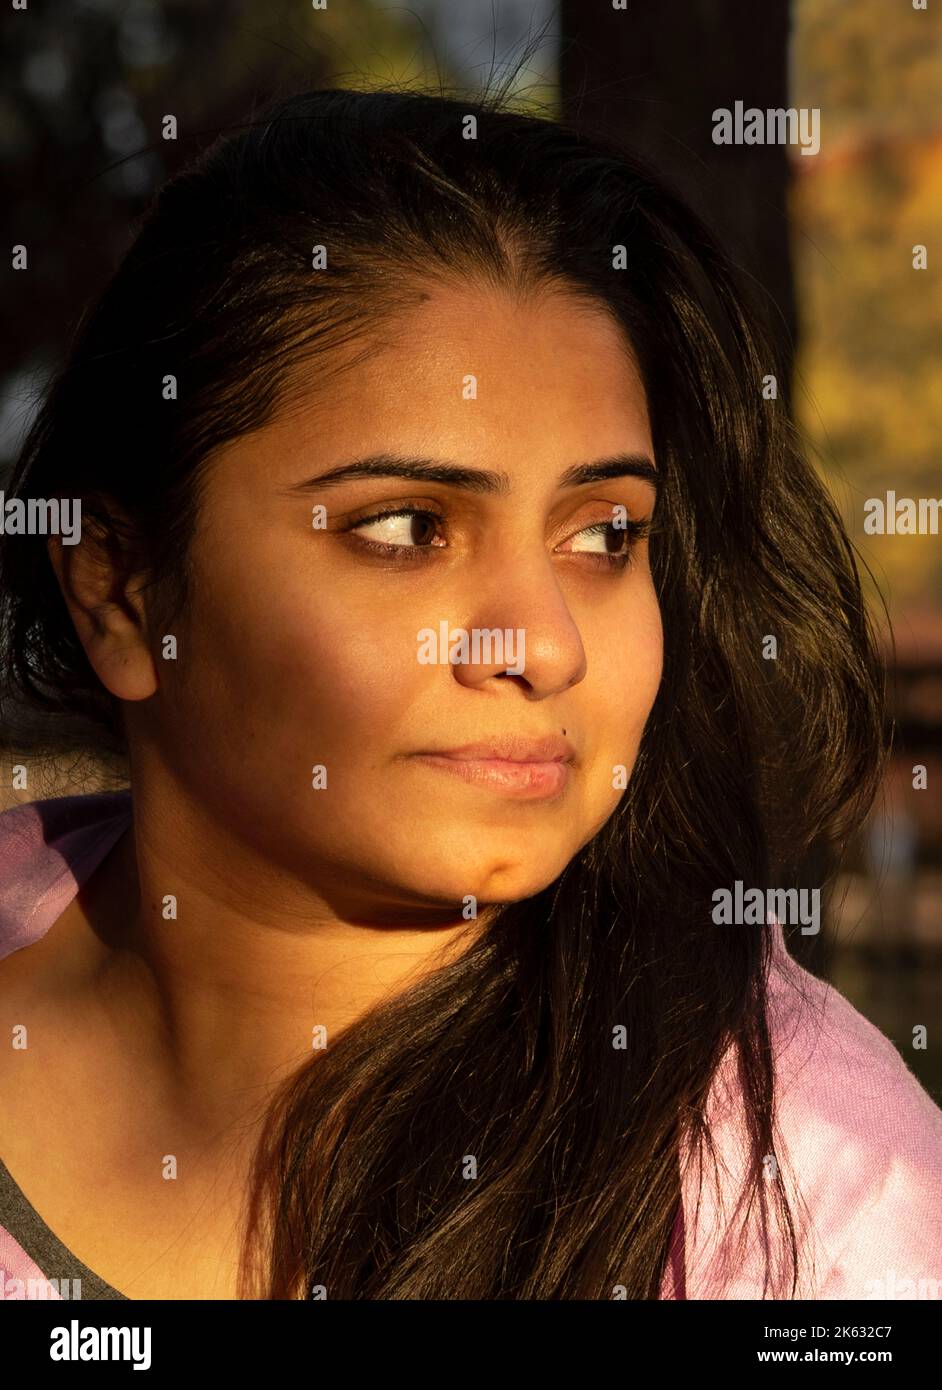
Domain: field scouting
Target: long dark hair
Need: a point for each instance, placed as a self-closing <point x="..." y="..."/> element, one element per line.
<point x="505" y="1055"/>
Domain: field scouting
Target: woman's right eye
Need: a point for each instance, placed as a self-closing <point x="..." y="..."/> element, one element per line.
<point x="406" y="528"/>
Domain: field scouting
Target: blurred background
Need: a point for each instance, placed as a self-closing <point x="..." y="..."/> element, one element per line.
<point x="827" y="242"/>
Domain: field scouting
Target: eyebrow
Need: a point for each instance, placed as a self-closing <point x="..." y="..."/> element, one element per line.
<point x="480" y="480"/>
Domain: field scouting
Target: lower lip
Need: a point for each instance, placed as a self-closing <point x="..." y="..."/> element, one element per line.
<point x="523" y="780"/>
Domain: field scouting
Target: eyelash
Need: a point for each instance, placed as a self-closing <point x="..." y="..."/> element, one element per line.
<point x="634" y="531"/>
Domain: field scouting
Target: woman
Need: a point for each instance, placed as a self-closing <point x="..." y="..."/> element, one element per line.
<point x="397" y="972"/>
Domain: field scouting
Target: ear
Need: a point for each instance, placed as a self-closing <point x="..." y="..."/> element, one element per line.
<point x="99" y="586"/>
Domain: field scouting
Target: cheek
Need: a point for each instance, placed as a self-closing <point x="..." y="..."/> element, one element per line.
<point x="650" y="654"/>
<point x="626" y="661"/>
<point x="629" y="650"/>
<point x="291" y="670"/>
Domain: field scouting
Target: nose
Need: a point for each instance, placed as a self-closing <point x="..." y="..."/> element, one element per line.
<point x="524" y="632"/>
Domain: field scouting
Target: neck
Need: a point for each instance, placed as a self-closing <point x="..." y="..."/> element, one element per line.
<point x="222" y="973"/>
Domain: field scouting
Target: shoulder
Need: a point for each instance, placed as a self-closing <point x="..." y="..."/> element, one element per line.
<point x="863" y="1139"/>
<point x="47" y="850"/>
<point x="859" y="1146"/>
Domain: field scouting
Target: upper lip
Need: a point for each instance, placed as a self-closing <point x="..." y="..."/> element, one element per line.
<point x="548" y="749"/>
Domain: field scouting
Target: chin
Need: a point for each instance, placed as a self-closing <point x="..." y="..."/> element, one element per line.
<point x="514" y="882"/>
<point x="452" y="883"/>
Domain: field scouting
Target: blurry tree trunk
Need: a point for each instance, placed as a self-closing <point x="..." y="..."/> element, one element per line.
<point x="652" y="75"/>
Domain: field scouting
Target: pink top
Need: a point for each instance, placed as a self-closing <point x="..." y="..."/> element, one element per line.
<point x="857" y="1131"/>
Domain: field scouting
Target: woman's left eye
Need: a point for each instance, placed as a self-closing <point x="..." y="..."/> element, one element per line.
<point x="609" y="538"/>
<point x="609" y="544"/>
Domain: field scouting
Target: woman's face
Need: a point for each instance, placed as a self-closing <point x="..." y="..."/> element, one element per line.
<point x="301" y="648"/>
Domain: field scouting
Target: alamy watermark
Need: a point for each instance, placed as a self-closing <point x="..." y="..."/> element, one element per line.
<point x="901" y="516"/>
<point x="893" y="1286"/>
<point x="779" y="126"/>
<point x="481" y="646"/>
<point x="15" y="1288"/>
<point x="42" y="516"/>
<point x="78" y="1343"/>
<point x="743" y="906"/>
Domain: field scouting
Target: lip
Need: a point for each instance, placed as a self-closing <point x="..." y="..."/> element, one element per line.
<point x="527" y="769"/>
<point x="551" y="748"/>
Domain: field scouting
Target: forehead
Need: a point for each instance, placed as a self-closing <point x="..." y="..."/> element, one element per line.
<point x="476" y="373"/>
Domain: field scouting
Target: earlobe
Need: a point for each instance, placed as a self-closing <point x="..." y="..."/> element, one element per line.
<point x="108" y="615"/>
